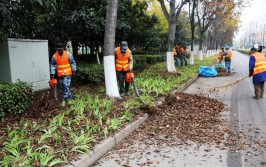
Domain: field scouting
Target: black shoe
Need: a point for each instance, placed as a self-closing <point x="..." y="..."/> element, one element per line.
<point x="256" y="97"/>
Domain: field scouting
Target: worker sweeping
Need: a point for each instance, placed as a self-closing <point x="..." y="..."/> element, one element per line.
<point x="257" y="69"/>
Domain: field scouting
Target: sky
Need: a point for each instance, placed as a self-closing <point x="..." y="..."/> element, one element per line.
<point x="254" y="13"/>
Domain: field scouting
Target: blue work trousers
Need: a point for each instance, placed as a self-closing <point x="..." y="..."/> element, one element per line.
<point x="183" y="61"/>
<point x="176" y="61"/>
<point x="65" y="85"/>
<point x="228" y="66"/>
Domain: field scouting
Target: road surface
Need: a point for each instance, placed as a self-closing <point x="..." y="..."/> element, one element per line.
<point x="246" y="116"/>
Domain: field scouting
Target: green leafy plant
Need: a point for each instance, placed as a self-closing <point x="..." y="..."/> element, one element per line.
<point x="114" y="124"/>
<point x="15" y="98"/>
<point x="127" y="116"/>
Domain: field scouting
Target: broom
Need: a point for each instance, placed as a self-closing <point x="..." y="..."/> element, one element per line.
<point x="229" y="84"/>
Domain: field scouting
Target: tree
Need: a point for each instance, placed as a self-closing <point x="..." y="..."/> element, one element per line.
<point x="192" y="9"/>
<point x="109" y="44"/>
<point x="205" y="12"/>
<point x="171" y="18"/>
<point x="223" y="21"/>
<point x="183" y="30"/>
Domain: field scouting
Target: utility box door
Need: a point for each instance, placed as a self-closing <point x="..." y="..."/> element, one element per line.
<point x="20" y="61"/>
<point x="28" y="60"/>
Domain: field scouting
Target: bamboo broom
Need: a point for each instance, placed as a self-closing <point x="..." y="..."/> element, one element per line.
<point x="227" y="85"/>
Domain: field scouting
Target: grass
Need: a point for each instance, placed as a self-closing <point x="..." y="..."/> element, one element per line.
<point x="244" y="51"/>
<point x="87" y="119"/>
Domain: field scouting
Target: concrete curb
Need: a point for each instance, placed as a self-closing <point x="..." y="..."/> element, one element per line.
<point x="109" y="143"/>
<point x="187" y="84"/>
<point x="106" y="145"/>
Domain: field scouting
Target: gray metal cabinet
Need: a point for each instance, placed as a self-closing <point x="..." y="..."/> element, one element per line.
<point x="25" y="59"/>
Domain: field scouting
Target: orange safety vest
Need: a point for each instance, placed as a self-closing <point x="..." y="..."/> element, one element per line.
<point x="229" y="53"/>
<point x="182" y="51"/>
<point x="122" y="63"/>
<point x="220" y="54"/>
<point x="174" y="52"/>
<point x="63" y="65"/>
<point x="260" y="63"/>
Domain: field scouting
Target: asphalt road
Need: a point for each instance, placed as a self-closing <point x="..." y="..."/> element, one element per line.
<point x="246" y="116"/>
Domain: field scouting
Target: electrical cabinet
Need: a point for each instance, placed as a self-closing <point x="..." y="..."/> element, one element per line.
<point x="26" y="60"/>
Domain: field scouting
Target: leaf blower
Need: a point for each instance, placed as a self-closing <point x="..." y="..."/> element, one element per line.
<point x="130" y="79"/>
<point x="53" y="86"/>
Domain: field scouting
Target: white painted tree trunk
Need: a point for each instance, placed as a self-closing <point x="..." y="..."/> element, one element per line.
<point x="191" y="58"/>
<point x="98" y="60"/>
<point x="200" y="55"/>
<point x="110" y="76"/>
<point x="109" y="50"/>
<point x="170" y="62"/>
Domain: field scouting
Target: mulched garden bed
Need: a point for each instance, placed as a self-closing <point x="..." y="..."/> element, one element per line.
<point x="44" y="109"/>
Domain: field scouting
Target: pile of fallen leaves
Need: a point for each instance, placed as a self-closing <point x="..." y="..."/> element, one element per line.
<point x="222" y="72"/>
<point x="186" y="117"/>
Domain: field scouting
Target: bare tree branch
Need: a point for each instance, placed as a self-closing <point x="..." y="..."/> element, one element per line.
<point x="166" y="14"/>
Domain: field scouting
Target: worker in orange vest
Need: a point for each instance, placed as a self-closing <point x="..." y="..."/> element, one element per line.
<point x="123" y="64"/>
<point x="220" y="55"/>
<point x="257" y="69"/>
<point x="63" y="62"/>
<point x="176" y="54"/>
<point x="227" y="59"/>
<point x="184" y="55"/>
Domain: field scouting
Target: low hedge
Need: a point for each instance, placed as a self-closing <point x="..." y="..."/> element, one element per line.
<point x="244" y="51"/>
<point x="15" y="98"/>
<point x="91" y="73"/>
<point x="141" y="60"/>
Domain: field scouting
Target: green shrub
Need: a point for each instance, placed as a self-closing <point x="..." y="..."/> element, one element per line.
<point x="139" y="62"/>
<point x="152" y="59"/>
<point x="15" y="98"/>
<point x="90" y="72"/>
<point x="244" y="51"/>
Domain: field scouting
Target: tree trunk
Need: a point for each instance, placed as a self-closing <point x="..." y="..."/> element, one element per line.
<point x="200" y="47"/>
<point x="171" y="17"/>
<point x="192" y="23"/>
<point x="200" y="41"/>
<point x="75" y="48"/>
<point x="109" y="50"/>
<point x="170" y="44"/>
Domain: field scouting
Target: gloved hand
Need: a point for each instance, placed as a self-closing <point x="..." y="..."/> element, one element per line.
<point x="250" y="72"/>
